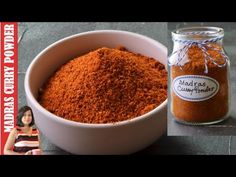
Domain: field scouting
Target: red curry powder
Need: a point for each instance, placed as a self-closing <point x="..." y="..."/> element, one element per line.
<point x="209" y="110"/>
<point x="105" y="86"/>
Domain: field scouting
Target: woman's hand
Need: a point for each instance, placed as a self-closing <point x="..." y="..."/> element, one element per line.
<point x="34" y="152"/>
<point x="29" y="152"/>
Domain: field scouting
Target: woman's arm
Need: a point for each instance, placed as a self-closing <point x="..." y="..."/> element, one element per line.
<point x="39" y="138"/>
<point x="10" y="143"/>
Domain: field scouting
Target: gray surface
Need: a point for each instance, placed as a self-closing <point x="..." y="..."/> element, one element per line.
<point x="227" y="127"/>
<point x="37" y="36"/>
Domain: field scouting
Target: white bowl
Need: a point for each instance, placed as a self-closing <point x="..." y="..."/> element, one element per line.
<point x="80" y="138"/>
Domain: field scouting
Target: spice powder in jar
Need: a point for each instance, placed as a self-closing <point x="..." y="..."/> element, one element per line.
<point x="199" y="76"/>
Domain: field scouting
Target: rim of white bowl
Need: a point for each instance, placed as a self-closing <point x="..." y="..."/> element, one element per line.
<point x="62" y="120"/>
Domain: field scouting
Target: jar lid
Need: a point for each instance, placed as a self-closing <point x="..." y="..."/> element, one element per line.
<point x="197" y="33"/>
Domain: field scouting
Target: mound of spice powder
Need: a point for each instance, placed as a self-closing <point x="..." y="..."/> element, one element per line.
<point x="105" y="86"/>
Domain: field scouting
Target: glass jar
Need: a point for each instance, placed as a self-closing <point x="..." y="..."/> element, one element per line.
<point x="199" y="84"/>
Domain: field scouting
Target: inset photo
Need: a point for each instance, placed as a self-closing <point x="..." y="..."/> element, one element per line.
<point x="201" y="79"/>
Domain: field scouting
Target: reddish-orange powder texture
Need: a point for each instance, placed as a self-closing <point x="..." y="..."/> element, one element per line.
<point x="203" y="111"/>
<point x="105" y="86"/>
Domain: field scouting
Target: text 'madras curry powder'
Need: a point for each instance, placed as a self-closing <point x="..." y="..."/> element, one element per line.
<point x="105" y="86"/>
<point x="199" y="76"/>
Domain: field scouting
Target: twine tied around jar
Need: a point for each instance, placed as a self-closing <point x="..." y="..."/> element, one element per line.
<point x="202" y="44"/>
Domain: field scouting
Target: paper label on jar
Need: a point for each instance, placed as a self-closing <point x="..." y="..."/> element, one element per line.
<point x="195" y="87"/>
